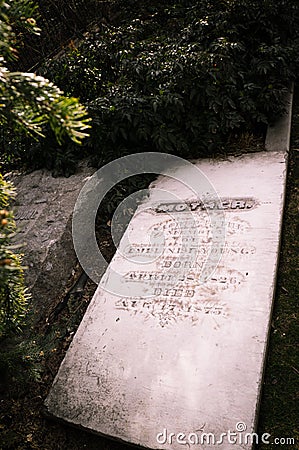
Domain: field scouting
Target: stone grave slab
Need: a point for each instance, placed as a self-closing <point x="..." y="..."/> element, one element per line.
<point x="43" y="213"/>
<point x="171" y="349"/>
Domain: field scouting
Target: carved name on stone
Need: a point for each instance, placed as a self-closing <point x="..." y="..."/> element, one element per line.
<point x="233" y="204"/>
<point x="26" y="214"/>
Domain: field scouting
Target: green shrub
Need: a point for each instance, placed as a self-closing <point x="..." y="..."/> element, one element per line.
<point x="27" y="104"/>
<point x="179" y="77"/>
<point x="30" y="103"/>
<point x="182" y="77"/>
<point x="13" y="296"/>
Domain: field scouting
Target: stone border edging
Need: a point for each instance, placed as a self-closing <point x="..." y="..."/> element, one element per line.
<point x="278" y="136"/>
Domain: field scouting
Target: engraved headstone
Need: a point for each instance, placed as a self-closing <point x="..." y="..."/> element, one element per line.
<point x="43" y="213"/>
<point x="171" y="349"/>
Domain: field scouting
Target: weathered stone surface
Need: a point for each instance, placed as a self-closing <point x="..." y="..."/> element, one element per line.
<point x="161" y="349"/>
<point x="43" y="213"/>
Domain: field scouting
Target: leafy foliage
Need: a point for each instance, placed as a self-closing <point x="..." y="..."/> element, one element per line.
<point x="15" y="16"/>
<point x="27" y="104"/>
<point x="28" y="101"/>
<point x="13" y="296"/>
<point x="62" y="23"/>
<point x="20" y="362"/>
<point x="182" y="77"/>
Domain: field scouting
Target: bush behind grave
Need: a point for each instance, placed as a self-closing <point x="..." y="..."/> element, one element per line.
<point x="179" y="77"/>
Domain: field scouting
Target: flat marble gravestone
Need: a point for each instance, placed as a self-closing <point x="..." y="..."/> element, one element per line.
<point x="182" y="354"/>
<point x="43" y="213"/>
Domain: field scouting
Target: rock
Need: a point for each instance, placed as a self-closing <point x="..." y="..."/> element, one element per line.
<point x="43" y="212"/>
